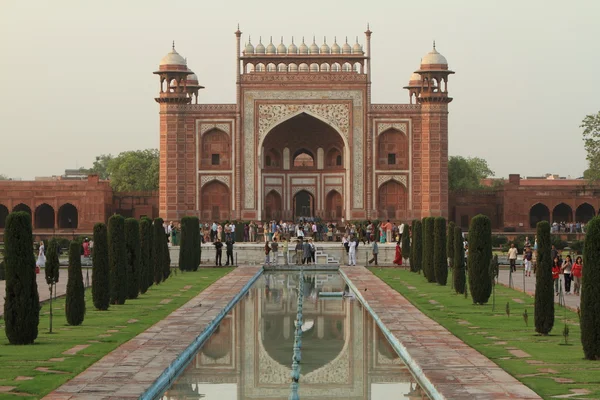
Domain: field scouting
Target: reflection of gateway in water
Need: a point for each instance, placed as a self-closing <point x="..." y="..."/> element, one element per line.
<point x="344" y="354"/>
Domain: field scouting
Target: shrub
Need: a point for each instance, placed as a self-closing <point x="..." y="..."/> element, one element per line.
<point x="450" y="244"/>
<point x="75" y="301"/>
<point x="158" y="237"/>
<point x="459" y="275"/>
<point x="440" y="262"/>
<point x="132" y="244"/>
<point x="428" y="271"/>
<point x="499" y="240"/>
<point x="51" y="270"/>
<point x="544" y="284"/>
<point x="190" y="231"/>
<point x="480" y="254"/>
<point x="577" y="246"/>
<point x="406" y="242"/>
<point x="22" y="301"/>
<point x="558" y="242"/>
<point x="100" y="269"/>
<point x="590" y="292"/>
<point x="145" y="260"/>
<point x="416" y="252"/>
<point x="117" y="259"/>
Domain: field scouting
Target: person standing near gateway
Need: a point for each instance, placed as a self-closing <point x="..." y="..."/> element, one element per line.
<point x="299" y="251"/>
<point x="352" y="251"/>
<point x="275" y="250"/>
<point x="218" y="252"/>
<point x="388" y="232"/>
<point x="285" y="251"/>
<point x="252" y="231"/>
<point x="229" y="251"/>
<point x="375" y="251"/>
<point x="267" y="251"/>
<point x="512" y="257"/>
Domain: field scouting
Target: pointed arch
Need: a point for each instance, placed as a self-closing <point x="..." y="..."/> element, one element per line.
<point x="273" y="205"/>
<point x="392" y="199"/>
<point x="538" y="212"/>
<point x="68" y="216"/>
<point x="334" y="205"/>
<point x="562" y="213"/>
<point x="215" y="200"/>
<point x="584" y="213"/>
<point x="44" y="217"/>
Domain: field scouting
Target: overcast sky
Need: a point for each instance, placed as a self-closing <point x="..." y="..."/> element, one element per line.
<point x="76" y="76"/>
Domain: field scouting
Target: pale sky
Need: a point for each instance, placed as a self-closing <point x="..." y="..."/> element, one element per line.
<point x="76" y="76"/>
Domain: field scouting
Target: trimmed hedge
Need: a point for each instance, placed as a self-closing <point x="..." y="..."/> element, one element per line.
<point x="166" y="260"/>
<point x="22" y="301"/>
<point x="440" y="262"/>
<point x="480" y="254"/>
<point x="428" y="271"/>
<point x="590" y="291"/>
<point x="132" y="244"/>
<point x="406" y="242"/>
<point x="75" y="301"/>
<point x="450" y="244"/>
<point x="158" y="237"/>
<point x="146" y="276"/>
<point x="100" y="268"/>
<point x="51" y="271"/>
<point x="459" y="274"/>
<point x="416" y="251"/>
<point x="117" y="259"/>
<point x="190" y="235"/>
<point x="544" y="284"/>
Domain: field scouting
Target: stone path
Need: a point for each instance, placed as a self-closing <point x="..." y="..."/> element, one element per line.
<point x="129" y="370"/>
<point x="455" y="369"/>
<point x="571" y="301"/>
<point x="61" y="286"/>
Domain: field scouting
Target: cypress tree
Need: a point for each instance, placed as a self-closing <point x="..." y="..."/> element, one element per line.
<point x="145" y="246"/>
<point x="428" y="272"/>
<point x="117" y="259"/>
<point x="75" y="301"/>
<point x="166" y="260"/>
<point x="480" y="254"/>
<point x="406" y="243"/>
<point x="51" y="270"/>
<point x="158" y="237"/>
<point x="544" y="284"/>
<point x="100" y="268"/>
<point x="22" y="301"/>
<point x="416" y="252"/>
<point x="459" y="275"/>
<point x="190" y="230"/>
<point x="590" y="291"/>
<point x="440" y="262"/>
<point x="132" y="244"/>
<point x="450" y="243"/>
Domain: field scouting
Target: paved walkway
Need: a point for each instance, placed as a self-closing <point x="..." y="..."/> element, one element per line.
<point x="129" y="370"/>
<point x="61" y="286"/>
<point x="571" y="301"/>
<point x="455" y="369"/>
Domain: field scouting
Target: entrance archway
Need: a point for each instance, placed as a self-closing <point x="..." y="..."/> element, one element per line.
<point x="304" y="204"/>
<point x="68" y="217"/>
<point x="562" y="213"/>
<point x="3" y="215"/>
<point x="44" y="217"/>
<point x="22" y="207"/>
<point x="392" y="200"/>
<point x="273" y="206"/>
<point x="215" y="201"/>
<point x="537" y="213"/>
<point x="584" y="213"/>
<point x="333" y="205"/>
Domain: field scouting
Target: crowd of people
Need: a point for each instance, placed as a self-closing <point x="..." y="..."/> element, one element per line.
<point x="567" y="227"/>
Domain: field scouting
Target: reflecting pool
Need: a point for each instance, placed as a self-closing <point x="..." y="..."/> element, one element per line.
<point x="344" y="355"/>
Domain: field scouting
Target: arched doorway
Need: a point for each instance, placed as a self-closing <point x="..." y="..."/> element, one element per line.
<point x="273" y="206"/>
<point x="304" y="204"/>
<point x="68" y="217"/>
<point x="22" y="207"/>
<point x="44" y="217"/>
<point x="584" y="213"/>
<point x="392" y="200"/>
<point x="3" y="215"/>
<point x="333" y="205"/>
<point x="537" y="213"/>
<point x="562" y="213"/>
<point x="215" y="201"/>
<point x="303" y="158"/>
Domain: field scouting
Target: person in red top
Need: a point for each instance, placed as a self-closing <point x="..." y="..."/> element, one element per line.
<point x="556" y="273"/>
<point x="576" y="272"/>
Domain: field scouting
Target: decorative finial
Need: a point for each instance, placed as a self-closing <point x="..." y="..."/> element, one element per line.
<point x="292" y="40"/>
<point x="238" y="26"/>
<point x="335" y="39"/>
<point x="346" y="39"/>
<point x="357" y="39"/>
<point x="434" y="44"/>
<point x="302" y="39"/>
<point x="271" y="40"/>
<point x="282" y="40"/>
<point x="260" y="39"/>
<point x="173" y="45"/>
<point x="368" y="26"/>
<point x="325" y="39"/>
<point x="249" y="39"/>
<point x="314" y="40"/>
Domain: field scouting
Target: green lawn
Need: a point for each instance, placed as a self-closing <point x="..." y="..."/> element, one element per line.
<point x="552" y="368"/>
<point x="102" y="330"/>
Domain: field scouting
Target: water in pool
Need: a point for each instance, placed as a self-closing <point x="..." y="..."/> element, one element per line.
<point x="343" y="354"/>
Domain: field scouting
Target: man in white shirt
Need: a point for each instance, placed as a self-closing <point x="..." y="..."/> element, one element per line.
<point x="512" y="257"/>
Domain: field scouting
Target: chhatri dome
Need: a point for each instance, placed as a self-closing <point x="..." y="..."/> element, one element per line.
<point x="292" y="49"/>
<point x="314" y="48"/>
<point x="325" y="47"/>
<point x="282" y="48"/>
<point x="260" y="48"/>
<point x="434" y="58"/>
<point x="346" y="49"/>
<point x="303" y="49"/>
<point x="249" y="47"/>
<point x="271" y="47"/>
<point x="415" y="80"/>
<point x="173" y="58"/>
<point x="335" y="48"/>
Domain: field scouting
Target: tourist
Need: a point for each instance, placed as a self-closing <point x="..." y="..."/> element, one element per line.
<point x="275" y="250"/>
<point x="566" y="270"/>
<point x="306" y="252"/>
<point x="512" y="257"/>
<point x="220" y="232"/>
<point x="229" y="251"/>
<point x="266" y="231"/>
<point x="175" y="234"/>
<point x="267" y="251"/>
<point x="312" y="250"/>
<point x="285" y="251"/>
<point x="232" y="231"/>
<point x="167" y="230"/>
<point x="299" y="232"/>
<point x="41" y="260"/>
<point x="527" y="260"/>
<point x="213" y="231"/>
<point x="252" y="231"/>
<point x="556" y="273"/>
<point x="576" y="271"/>
<point x="86" y="248"/>
<point x="246" y="232"/>
<point x="299" y="252"/>
<point x="218" y="252"/>
<point x="398" y="255"/>
<point x="388" y="231"/>
<point x="375" y="251"/>
<point x="352" y="244"/>
<point x="527" y="242"/>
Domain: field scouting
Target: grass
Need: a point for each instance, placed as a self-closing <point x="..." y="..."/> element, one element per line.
<point x="118" y="324"/>
<point x="493" y="334"/>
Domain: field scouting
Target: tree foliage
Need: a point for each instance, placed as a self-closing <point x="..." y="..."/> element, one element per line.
<point x="440" y="262"/>
<point x="132" y="244"/>
<point x="478" y="262"/>
<point x="591" y="140"/>
<point x="22" y="301"/>
<point x="4" y="177"/>
<point x="100" y="268"/>
<point x="158" y="239"/>
<point x="129" y="171"/>
<point x="428" y="271"/>
<point x="117" y="259"/>
<point x="459" y="275"/>
<point x="450" y="243"/>
<point x="416" y="252"/>
<point x="406" y="242"/>
<point x="75" y="301"/>
<point x="51" y="270"/>
<point x="190" y="230"/>
<point x="590" y="291"/>
<point x="146" y="275"/>
<point x="544" y="284"/>
<point x="467" y="173"/>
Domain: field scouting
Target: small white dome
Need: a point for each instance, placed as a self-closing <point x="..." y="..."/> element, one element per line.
<point x="260" y="48"/>
<point x="282" y="48"/>
<point x="314" y="48"/>
<point x="292" y="48"/>
<point x="271" y="47"/>
<point x="357" y="48"/>
<point x="303" y="49"/>
<point x="249" y="48"/>
<point x="415" y="77"/>
<point x="192" y="77"/>
<point x="335" y="48"/>
<point x="346" y="49"/>
<point x="433" y="57"/>
<point x="173" y="58"/>
<point x="325" y="47"/>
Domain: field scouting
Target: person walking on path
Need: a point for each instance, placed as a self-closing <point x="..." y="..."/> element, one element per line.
<point x="375" y="251"/>
<point x="398" y="255"/>
<point x="285" y="251"/>
<point x="576" y="272"/>
<point x="527" y="259"/>
<point x="299" y="252"/>
<point x="556" y="274"/>
<point x="229" y="251"/>
<point x="218" y="252"/>
<point x="566" y="270"/>
<point x="352" y="244"/>
<point x="275" y="250"/>
<point x="512" y="257"/>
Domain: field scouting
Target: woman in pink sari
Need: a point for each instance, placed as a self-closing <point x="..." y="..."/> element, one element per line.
<point x="398" y="256"/>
